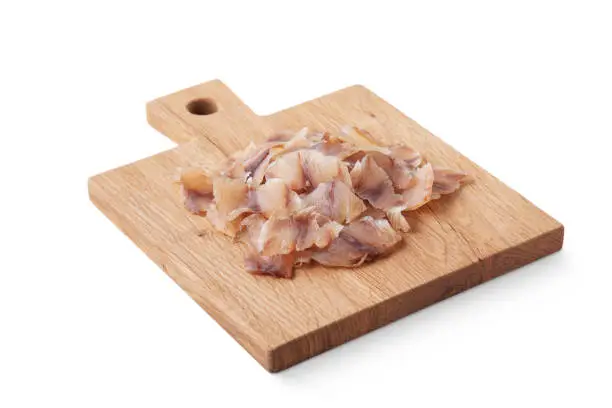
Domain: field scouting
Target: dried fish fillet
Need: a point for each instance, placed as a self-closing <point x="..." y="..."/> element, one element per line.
<point x="447" y="181"/>
<point x="371" y="183"/>
<point x="197" y="189"/>
<point x="337" y="199"/>
<point x="280" y="266"/>
<point x="420" y="192"/>
<point x="364" y="239"/>
<point x="314" y="229"/>
<point x="289" y="169"/>
<point x="275" y="198"/>
<point x="320" y="168"/>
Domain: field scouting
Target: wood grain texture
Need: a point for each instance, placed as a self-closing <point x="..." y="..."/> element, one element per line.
<point x="481" y="232"/>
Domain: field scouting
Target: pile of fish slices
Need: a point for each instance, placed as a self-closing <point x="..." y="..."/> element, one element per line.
<point x="337" y="200"/>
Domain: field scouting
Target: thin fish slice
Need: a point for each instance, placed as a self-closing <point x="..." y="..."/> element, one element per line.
<point x="275" y="198"/>
<point x="420" y="192"/>
<point x="314" y="229"/>
<point x="335" y="200"/>
<point x="319" y="168"/>
<point x="197" y="190"/>
<point x="372" y="183"/>
<point x="447" y="181"/>
<point x="289" y="169"/>
<point x="366" y="238"/>
<point x="280" y="266"/>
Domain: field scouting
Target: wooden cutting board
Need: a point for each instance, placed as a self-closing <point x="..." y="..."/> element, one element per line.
<point x="481" y="232"/>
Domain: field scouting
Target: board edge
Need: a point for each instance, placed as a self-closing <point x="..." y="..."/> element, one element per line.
<point x="260" y="352"/>
<point x="404" y="304"/>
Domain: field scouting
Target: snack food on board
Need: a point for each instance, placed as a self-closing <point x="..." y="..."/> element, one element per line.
<point x="335" y="199"/>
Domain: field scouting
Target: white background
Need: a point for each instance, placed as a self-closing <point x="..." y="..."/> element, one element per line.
<point x="86" y="320"/>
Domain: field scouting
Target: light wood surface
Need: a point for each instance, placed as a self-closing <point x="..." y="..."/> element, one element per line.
<point x="481" y="232"/>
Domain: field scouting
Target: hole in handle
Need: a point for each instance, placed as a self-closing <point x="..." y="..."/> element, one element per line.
<point x="202" y="106"/>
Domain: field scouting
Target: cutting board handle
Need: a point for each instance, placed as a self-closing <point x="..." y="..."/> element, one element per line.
<point x="209" y="112"/>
